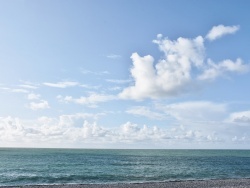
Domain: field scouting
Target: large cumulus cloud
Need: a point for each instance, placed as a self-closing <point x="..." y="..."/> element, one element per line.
<point x="183" y="66"/>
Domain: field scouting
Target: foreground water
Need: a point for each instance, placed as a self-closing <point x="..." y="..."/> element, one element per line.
<point x="57" y="166"/>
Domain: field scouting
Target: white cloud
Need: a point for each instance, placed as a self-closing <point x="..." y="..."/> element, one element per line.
<point x="115" y="88"/>
<point x="33" y="96"/>
<point x="195" y="110"/>
<point x="241" y="139"/>
<point x="146" y="112"/>
<point x="118" y="81"/>
<point x="89" y="86"/>
<point x="92" y="100"/>
<point x="214" y="70"/>
<point x="19" y="90"/>
<point x="95" y="73"/>
<point x="39" y="105"/>
<point x="15" y="90"/>
<point x="170" y="76"/>
<point x="220" y="30"/>
<point x="240" y="117"/>
<point x="92" y="131"/>
<point x="28" y="86"/>
<point x="181" y="70"/>
<point x="114" y="56"/>
<point x="69" y="120"/>
<point x="130" y="132"/>
<point x="61" y="84"/>
<point x="65" y="131"/>
<point x="10" y="129"/>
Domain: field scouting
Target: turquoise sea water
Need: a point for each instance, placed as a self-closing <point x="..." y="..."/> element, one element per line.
<point x="56" y="166"/>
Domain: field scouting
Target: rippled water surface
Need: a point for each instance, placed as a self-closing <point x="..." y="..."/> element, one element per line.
<point x="55" y="166"/>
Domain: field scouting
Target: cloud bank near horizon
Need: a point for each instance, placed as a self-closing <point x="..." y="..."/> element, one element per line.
<point x="203" y="122"/>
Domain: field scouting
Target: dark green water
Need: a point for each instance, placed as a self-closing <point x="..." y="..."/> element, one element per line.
<point x="56" y="166"/>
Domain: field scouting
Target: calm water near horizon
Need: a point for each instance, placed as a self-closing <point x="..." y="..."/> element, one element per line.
<point x="56" y="166"/>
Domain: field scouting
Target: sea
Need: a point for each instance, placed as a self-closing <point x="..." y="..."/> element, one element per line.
<point x="99" y="166"/>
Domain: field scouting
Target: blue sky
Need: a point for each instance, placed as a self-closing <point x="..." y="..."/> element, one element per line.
<point x="124" y="74"/>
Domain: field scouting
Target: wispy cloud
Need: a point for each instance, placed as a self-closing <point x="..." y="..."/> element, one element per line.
<point x="61" y="84"/>
<point x="115" y="88"/>
<point x="19" y="90"/>
<point x="215" y="70"/>
<point x="146" y="112"/>
<point x="14" y="90"/>
<point x="95" y="73"/>
<point x="118" y="81"/>
<point x="195" y="110"/>
<point x="114" y="56"/>
<point x="28" y="86"/>
<point x="91" y="101"/>
<point x="89" y="86"/>
<point x="221" y="30"/>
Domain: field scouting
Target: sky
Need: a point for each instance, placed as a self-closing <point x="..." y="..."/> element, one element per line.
<point x="154" y="74"/>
